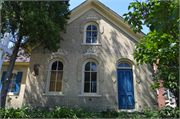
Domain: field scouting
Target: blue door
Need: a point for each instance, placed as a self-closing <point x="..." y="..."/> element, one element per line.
<point x="125" y="89"/>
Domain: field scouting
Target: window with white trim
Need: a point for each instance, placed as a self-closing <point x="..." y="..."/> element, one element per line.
<point x="90" y="78"/>
<point x="90" y="82"/>
<point x="91" y="33"/>
<point x="55" y="77"/>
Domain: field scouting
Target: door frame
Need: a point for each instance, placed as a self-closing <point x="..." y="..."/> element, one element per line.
<point x="133" y="68"/>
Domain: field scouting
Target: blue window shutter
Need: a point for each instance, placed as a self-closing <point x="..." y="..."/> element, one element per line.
<point x="2" y="79"/>
<point x="18" y="83"/>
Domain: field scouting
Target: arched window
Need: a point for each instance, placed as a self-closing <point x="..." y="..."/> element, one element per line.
<point x="124" y="65"/>
<point x="91" y="33"/>
<point x="55" y="77"/>
<point x="90" y="77"/>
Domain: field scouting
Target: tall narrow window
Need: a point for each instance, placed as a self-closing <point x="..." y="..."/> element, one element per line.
<point x="90" y="78"/>
<point x="13" y="82"/>
<point x="56" y="77"/>
<point x="91" y="34"/>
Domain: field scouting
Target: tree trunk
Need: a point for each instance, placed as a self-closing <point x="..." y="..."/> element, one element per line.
<point x="8" y="76"/>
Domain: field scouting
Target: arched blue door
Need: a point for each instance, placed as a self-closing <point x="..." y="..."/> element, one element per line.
<point x="125" y="89"/>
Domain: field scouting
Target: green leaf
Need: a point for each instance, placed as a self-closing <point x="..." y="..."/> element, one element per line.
<point x="158" y="27"/>
<point x="152" y="28"/>
<point x="176" y="11"/>
<point x="143" y="3"/>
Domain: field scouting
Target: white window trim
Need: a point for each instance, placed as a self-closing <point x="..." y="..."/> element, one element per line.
<point x="47" y="92"/>
<point x="12" y="93"/>
<point x="168" y="93"/>
<point x="82" y="82"/>
<point x="84" y="41"/>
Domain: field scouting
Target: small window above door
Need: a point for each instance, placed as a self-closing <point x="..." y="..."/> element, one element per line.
<point x="124" y="65"/>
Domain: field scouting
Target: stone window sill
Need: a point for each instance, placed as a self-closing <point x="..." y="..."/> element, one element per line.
<point x="90" y="95"/>
<point x="98" y="44"/>
<point x="45" y="94"/>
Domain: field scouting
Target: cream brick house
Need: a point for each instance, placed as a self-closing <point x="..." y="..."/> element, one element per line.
<point x="16" y="89"/>
<point x="94" y="68"/>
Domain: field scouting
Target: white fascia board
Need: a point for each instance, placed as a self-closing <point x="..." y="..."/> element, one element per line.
<point x="116" y="15"/>
<point x="116" y="24"/>
<point x="77" y="12"/>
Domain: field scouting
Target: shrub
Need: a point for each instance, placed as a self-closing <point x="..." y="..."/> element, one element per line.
<point x="169" y="112"/>
<point x="78" y="112"/>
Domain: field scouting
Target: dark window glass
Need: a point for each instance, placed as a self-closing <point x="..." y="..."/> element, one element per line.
<point x="94" y="28"/>
<point x="15" y="75"/>
<point x="60" y="65"/>
<point x="87" y="76"/>
<point x="89" y="27"/>
<point x="93" y="87"/>
<point x="93" y="76"/>
<point x="88" y="34"/>
<point x="94" y="40"/>
<point x="88" y="40"/>
<point x="86" y="87"/>
<point x="126" y="65"/>
<point x="94" y="34"/>
<point x="93" y="67"/>
<point x="120" y="65"/>
<point x="54" y="66"/>
<point x="87" y="67"/>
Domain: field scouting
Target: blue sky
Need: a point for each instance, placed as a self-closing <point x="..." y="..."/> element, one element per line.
<point x="118" y="6"/>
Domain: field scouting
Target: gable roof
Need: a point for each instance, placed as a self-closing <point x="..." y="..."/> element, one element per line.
<point x="22" y="56"/>
<point x="107" y="13"/>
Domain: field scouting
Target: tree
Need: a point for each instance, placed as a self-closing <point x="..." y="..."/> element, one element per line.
<point x="32" y="23"/>
<point x="162" y="17"/>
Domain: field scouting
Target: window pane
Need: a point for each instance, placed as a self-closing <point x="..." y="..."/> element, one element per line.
<point x="59" y="76"/>
<point x="126" y="65"/>
<point x="87" y="67"/>
<point x="13" y="82"/>
<point x="94" y="34"/>
<point x="170" y="94"/>
<point x="93" y="76"/>
<point x="94" y="40"/>
<point x="89" y="27"/>
<point x="59" y="86"/>
<point x="53" y="75"/>
<point x="14" y="76"/>
<point x="93" y="87"/>
<point x="54" y="66"/>
<point x="88" y="34"/>
<point x="52" y="86"/>
<point x="120" y="65"/>
<point x="88" y="40"/>
<point x="87" y="76"/>
<point x="86" y="87"/>
<point x="93" y="67"/>
<point x="94" y="28"/>
<point x="60" y="65"/>
<point x="12" y="89"/>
